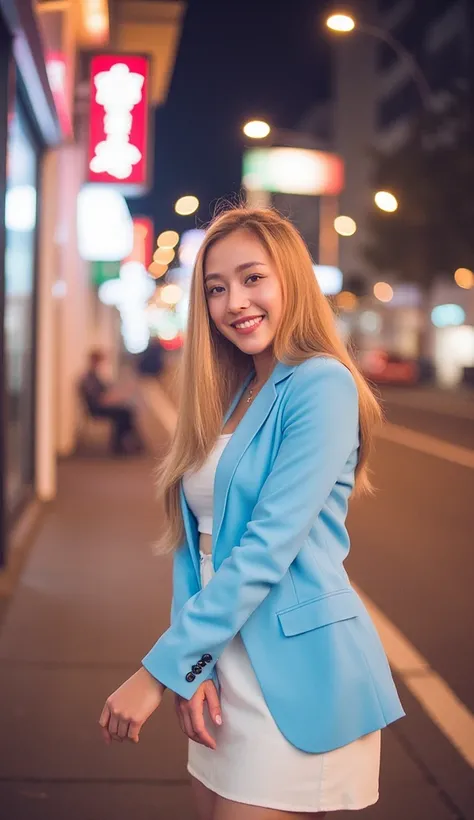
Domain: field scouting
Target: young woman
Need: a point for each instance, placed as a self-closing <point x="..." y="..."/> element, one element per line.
<point x="281" y="682"/>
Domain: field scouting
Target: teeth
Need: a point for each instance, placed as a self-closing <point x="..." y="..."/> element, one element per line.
<point x="250" y="323"/>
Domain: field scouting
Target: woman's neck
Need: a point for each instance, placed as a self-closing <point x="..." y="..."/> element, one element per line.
<point x="263" y="364"/>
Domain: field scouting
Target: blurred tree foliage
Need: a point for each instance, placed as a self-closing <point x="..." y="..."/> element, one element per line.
<point x="432" y="176"/>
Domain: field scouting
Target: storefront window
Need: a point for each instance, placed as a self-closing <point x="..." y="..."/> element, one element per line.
<point x="20" y="224"/>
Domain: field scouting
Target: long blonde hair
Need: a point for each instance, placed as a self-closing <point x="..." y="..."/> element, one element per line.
<point x="212" y="368"/>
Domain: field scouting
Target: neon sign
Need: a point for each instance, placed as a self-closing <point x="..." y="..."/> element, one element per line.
<point x="119" y="119"/>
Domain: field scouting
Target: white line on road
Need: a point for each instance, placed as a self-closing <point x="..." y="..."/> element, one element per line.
<point x="427" y="444"/>
<point x="444" y="708"/>
<point x="432" y="692"/>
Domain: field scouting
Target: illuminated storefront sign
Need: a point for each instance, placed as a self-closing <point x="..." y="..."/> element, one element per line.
<point x="118" y="142"/>
<point x="293" y="171"/>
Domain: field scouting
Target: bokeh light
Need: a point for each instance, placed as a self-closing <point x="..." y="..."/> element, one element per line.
<point x="157" y="270"/>
<point x="168" y="239"/>
<point x="386" y="201"/>
<point x="464" y="278"/>
<point x="345" y="300"/>
<point x="187" y="205"/>
<point x="345" y="225"/>
<point x="171" y="294"/>
<point x="163" y="256"/>
<point x="383" y="292"/>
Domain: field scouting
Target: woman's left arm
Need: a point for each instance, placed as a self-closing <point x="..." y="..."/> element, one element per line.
<point x="320" y="433"/>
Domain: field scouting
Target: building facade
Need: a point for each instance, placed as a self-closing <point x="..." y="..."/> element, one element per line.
<point x="49" y="311"/>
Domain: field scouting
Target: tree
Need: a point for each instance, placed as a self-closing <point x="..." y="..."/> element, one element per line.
<point x="432" y="176"/>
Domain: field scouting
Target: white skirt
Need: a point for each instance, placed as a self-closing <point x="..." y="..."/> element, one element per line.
<point x="255" y="764"/>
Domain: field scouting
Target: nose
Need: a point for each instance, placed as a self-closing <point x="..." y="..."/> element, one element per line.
<point x="238" y="299"/>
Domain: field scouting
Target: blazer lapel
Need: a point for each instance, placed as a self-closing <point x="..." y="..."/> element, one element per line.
<point x="246" y="430"/>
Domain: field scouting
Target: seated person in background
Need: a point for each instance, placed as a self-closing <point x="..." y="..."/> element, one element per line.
<point x="104" y="401"/>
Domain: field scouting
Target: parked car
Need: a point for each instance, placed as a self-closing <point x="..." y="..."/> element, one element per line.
<point x="382" y="367"/>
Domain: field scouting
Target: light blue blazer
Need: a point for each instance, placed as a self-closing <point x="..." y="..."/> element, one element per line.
<point x="279" y="541"/>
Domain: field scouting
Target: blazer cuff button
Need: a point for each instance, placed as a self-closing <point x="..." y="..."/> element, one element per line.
<point x="207" y="658"/>
<point x="196" y="669"/>
<point x="190" y="677"/>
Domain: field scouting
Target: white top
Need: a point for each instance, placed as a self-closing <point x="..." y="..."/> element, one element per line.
<point x="198" y="486"/>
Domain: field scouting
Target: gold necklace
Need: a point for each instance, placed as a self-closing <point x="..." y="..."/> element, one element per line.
<point x="250" y="393"/>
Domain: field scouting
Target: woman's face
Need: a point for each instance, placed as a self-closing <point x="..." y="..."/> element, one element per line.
<point x="243" y="292"/>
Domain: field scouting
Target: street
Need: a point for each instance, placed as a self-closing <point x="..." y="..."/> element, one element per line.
<point x="92" y="599"/>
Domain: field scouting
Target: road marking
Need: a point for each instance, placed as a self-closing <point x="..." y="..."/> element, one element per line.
<point x="427" y="444"/>
<point x="444" y="708"/>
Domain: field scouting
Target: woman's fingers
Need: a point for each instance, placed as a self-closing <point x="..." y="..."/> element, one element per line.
<point x="104" y="723"/>
<point x="213" y="703"/>
<point x="188" y="725"/>
<point x="197" y="717"/>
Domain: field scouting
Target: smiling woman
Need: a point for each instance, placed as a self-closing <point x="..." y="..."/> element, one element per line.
<point x="274" y="429"/>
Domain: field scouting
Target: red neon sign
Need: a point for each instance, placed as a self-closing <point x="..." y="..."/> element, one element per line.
<point x="118" y="132"/>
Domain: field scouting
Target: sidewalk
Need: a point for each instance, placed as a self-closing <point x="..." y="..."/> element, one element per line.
<point x="91" y="601"/>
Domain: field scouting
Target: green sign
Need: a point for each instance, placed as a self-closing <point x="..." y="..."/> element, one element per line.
<point x="103" y="271"/>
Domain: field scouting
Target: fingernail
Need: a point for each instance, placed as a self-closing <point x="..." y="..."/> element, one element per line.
<point x="218" y="720"/>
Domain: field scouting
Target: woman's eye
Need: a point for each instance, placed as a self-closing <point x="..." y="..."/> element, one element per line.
<point x="213" y="291"/>
<point x="254" y="276"/>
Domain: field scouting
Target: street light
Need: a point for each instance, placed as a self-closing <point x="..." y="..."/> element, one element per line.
<point x="345" y="23"/>
<point x="386" y="201"/>
<point x="256" y="129"/>
<point x="341" y="23"/>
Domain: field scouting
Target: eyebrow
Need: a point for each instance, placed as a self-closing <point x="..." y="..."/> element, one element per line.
<point x="240" y="268"/>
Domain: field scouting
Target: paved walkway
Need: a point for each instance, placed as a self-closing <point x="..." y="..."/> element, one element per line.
<point x="90" y="602"/>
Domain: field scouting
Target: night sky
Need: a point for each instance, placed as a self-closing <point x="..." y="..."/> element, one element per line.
<point x="237" y="60"/>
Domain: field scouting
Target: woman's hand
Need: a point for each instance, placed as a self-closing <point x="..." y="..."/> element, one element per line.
<point x="130" y="706"/>
<point x="191" y="713"/>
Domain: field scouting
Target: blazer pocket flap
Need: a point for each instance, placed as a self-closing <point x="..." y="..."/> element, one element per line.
<point x="337" y="606"/>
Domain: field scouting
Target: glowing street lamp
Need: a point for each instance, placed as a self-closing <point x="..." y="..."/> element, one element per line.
<point x="186" y="205"/>
<point x="345" y="23"/>
<point x="386" y="201"/>
<point x="341" y="23"/>
<point x="256" y="129"/>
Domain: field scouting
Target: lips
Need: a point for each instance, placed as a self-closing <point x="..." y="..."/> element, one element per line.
<point x="240" y="322"/>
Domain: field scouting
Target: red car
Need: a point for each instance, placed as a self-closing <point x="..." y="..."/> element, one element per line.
<point x="389" y="368"/>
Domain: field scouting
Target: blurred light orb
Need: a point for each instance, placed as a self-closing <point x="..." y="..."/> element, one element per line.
<point x="157" y="269"/>
<point x="345" y="226"/>
<point x="168" y="239"/>
<point x="448" y="316"/>
<point x="110" y="291"/>
<point x="340" y="22"/>
<point x="386" y="201"/>
<point x="346" y="300"/>
<point x="163" y="256"/>
<point x="256" y="129"/>
<point x="186" y="205"/>
<point x="370" y="322"/>
<point x="171" y="294"/>
<point x="464" y="278"/>
<point x="383" y="292"/>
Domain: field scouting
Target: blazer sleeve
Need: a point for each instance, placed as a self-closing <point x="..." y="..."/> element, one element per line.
<point x="320" y="432"/>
